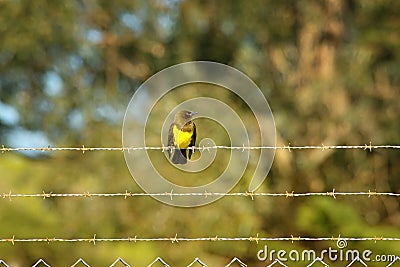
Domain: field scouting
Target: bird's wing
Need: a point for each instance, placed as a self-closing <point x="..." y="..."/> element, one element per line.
<point x="192" y="141"/>
<point x="170" y="138"/>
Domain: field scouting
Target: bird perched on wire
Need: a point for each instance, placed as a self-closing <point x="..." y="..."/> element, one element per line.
<point x="181" y="137"/>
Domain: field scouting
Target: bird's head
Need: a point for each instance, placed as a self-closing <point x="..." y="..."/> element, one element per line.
<point x="184" y="116"/>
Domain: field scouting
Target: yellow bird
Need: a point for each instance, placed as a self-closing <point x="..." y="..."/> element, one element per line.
<point x="181" y="136"/>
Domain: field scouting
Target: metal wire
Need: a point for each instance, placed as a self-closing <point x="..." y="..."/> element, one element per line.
<point x="84" y="149"/>
<point x="177" y="239"/>
<point x="171" y="194"/>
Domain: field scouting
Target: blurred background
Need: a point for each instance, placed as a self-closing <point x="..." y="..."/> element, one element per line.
<point x="330" y="71"/>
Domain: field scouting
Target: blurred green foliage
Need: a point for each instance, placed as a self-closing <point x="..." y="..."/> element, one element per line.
<point x="329" y="69"/>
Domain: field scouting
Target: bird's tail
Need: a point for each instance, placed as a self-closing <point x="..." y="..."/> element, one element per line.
<point x="178" y="156"/>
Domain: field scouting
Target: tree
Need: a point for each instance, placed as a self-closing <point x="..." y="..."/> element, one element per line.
<point x="329" y="70"/>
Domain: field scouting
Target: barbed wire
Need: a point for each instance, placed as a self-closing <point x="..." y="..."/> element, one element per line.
<point x="171" y="194"/>
<point x="176" y="239"/>
<point x="163" y="148"/>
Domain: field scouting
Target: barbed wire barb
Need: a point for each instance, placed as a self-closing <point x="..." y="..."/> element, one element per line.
<point x="332" y="194"/>
<point x="93" y="240"/>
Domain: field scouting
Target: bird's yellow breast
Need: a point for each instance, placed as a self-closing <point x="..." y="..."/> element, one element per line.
<point x="181" y="138"/>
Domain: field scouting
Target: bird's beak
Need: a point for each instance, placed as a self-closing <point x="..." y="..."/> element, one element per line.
<point x="192" y="113"/>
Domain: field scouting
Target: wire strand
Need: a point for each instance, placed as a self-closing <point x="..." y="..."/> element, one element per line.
<point x="84" y="149"/>
<point x="171" y="194"/>
<point x="177" y="239"/>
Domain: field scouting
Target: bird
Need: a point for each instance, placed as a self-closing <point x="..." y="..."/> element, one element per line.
<point x="181" y="137"/>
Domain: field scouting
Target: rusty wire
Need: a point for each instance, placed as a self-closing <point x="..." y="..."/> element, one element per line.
<point x="84" y="148"/>
<point x="172" y="194"/>
<point x="176" y="239"/>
